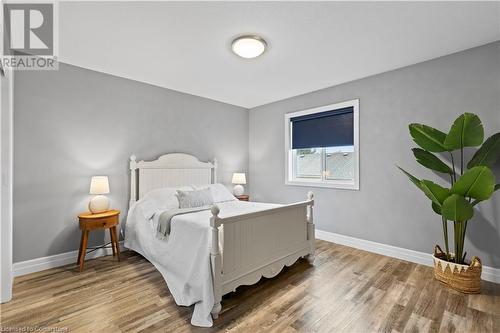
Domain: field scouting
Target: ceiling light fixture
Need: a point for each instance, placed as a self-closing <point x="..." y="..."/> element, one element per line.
<point x="249" y="46"/>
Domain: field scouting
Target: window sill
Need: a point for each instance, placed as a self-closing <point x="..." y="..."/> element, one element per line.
<point x="341" y="186"/>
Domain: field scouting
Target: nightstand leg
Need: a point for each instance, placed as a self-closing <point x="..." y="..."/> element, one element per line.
<point x="83" y="248"/>
<point x="112" y="236"/>
<point x="115" y="241"/>
<point x="80" y="249"/>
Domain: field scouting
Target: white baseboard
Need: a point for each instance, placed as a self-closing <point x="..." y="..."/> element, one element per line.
<point x="489" y="273"/>
<point x="57" y="260"/>
<point x="40" y="264"/>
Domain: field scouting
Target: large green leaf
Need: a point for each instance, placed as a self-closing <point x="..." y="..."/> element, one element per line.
<point x="431" y="161"/>
<point x="428" y="138"/>
<point x="475" y="202"/>
<point x="488" y="154"/>
<point x="434" y="191"/>
<point x="457" y="208"/>
<point x="466" y="131"/>
<point x="436" y="208"/>
<point x="412" y="178"/>
<point x="477" y="183"/>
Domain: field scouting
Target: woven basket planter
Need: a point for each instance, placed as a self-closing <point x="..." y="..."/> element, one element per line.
<point x="463" y="278"/>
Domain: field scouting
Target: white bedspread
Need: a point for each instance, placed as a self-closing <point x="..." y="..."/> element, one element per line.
<point x="183" y="257"/>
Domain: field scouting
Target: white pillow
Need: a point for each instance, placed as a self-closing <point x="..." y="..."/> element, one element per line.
<point x="196" y="198"/>
<point x="160" y="199"/>
<point x="220" y="193"/>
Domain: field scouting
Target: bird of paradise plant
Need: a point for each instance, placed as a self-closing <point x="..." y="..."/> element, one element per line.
<point x="469" y="186"/>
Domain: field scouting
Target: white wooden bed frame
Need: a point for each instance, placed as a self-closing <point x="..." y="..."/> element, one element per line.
<point x="254" y="244"/>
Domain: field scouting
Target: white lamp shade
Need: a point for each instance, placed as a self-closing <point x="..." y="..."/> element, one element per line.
<point x="99" y="185"/>
<point x="239" y="178"/>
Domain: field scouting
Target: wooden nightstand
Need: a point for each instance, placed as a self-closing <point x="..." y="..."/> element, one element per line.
<point x="244" y="197"/>
<point x="106" y="220"/>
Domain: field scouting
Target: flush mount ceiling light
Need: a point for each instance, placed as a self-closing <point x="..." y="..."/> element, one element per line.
<point x="249" y="46"/>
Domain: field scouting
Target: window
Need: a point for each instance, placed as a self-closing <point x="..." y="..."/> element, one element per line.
<point x="322" y="146"/>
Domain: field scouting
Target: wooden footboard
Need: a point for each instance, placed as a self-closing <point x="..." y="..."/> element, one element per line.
<point x="259" y="244"/>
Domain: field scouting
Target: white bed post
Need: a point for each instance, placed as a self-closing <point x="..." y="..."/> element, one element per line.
<point x="133" y="176"/>
<point x="214" y="180"/>
<point x="216" y="260"/>
<point x="310" y="227"/>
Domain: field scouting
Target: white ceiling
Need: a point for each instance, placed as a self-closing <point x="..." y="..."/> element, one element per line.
<point x="185" y="46"/>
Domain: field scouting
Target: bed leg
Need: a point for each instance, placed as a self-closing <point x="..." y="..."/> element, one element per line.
<point x="216" y="310"/>
<point x="216" y="261"/>
<point x="310" y="228"/>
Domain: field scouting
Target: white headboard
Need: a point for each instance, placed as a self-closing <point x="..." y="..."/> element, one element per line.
<point x="170" y="170"/>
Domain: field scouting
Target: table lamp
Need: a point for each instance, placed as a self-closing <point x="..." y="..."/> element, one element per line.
<point x="239" y="179"/>
<point x="99" y="185"/>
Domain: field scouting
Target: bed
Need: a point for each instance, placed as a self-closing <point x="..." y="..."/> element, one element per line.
<point x="211" y="252"/>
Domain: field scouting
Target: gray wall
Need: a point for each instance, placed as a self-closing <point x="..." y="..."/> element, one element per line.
<point x="74" y="123"/>
<point x="387" y="208"/>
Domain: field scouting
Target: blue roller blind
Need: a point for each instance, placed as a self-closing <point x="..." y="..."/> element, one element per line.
<point x="324" y="129"/>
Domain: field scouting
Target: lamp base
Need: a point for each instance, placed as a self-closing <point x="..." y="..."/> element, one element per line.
<point x="99" y="204"/>
<point x="238" y="190"/>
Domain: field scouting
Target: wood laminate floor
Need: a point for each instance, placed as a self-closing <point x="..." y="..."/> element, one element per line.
<point x="347" y="290"/>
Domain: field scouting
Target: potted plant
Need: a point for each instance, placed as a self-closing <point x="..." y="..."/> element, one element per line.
<point x="469" y="185"/>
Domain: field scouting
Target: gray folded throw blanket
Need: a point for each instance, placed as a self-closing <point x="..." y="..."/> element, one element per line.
<point x="166" y="217"/>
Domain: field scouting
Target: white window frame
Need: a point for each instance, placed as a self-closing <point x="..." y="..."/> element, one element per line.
<point x="289" y="155"/>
